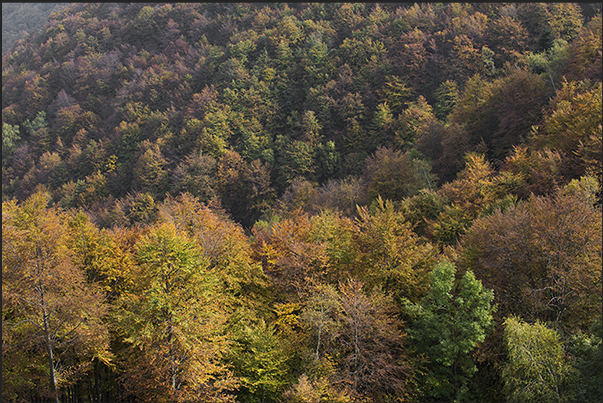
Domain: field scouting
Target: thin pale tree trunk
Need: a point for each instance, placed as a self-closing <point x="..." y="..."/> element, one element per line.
<point x="53" y="379"/>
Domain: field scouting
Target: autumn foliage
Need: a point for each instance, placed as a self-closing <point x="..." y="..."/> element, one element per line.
<point x="303" y="202"/>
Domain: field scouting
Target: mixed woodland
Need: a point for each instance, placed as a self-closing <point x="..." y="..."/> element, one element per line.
<point x="303" y="202"/>
<point x="22" y="19"/>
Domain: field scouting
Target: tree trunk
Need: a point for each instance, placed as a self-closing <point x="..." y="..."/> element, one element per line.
<point x="53" y="380"/>
<point x="320" y="324"/>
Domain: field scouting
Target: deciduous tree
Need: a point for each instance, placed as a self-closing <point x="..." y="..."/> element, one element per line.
<point x="538" y="369"/>
<point x="172" y="323"/>
<point x="49" y="309"/>
<point x="398" y="260"/>
<point x="370" y="345"/>
<point x="542" y="257"/>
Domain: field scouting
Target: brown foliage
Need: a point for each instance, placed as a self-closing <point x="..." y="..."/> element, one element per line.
<point x="370" y="345"/>
<point x="541" y="258"/>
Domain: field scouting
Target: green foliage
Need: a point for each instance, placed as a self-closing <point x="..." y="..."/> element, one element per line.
<point x="348" y="85"/>
<point x="39" y="131"/>
<point x="297" y="160"/>
<point x="549" y="63"/>
<point x="447" y="96"/>
<point x="587" y="353"/>
<point x="538" y="369"/>
<point x="449" y="322"/>
<point x="327" y="160"/>
<point x="10" y="137"/>
<point x="260" y="361"/>
<point x="272" y="152"/>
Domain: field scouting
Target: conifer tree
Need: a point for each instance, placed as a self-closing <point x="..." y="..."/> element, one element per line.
<point x="448" y="324"/>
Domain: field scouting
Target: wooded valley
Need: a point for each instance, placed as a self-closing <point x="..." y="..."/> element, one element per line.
<point x="304" y="202"/>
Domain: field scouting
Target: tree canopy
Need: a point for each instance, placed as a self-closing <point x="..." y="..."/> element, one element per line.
<point x="302" y="202"/>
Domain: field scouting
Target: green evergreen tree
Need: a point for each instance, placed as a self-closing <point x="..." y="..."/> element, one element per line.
<point x="10" y="137"/>
<point x="447" y="96"/>
<point x="449" y="323"/>
<point x="587" y="352"/>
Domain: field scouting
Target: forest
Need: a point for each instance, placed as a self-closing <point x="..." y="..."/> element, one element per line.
<point x="303" y="203"/>
<point x="22" y="19"/>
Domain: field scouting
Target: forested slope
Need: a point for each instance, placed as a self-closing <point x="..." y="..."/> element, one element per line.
<point x="19" y="19"/>
<point x="304" y="202"/>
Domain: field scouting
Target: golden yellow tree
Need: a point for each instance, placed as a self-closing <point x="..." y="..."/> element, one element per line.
<point x="50" y="312"/>
<point x="172" y="323"/>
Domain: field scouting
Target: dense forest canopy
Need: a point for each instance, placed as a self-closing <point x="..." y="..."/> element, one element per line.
<point x="303" y="202"/>
<point x="19" y="19"/>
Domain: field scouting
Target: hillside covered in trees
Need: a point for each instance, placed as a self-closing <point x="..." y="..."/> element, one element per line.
<point x="304" y="202"/>
<point x="21" y="19"/>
